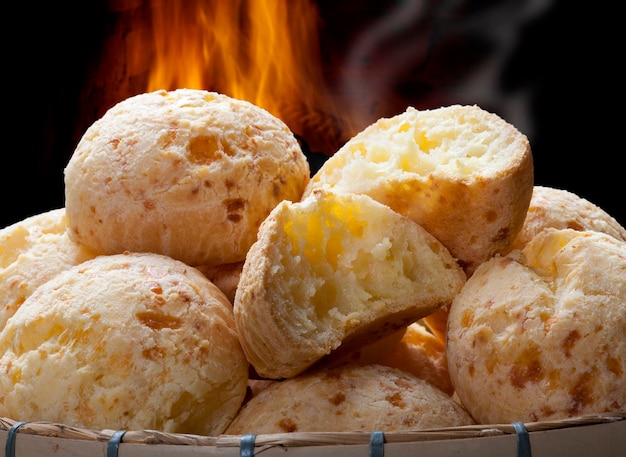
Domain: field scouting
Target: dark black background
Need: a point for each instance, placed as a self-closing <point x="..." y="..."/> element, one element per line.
<point x="560" y="71"/>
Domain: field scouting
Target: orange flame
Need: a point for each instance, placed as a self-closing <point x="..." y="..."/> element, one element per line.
<point x="263" y="51"/>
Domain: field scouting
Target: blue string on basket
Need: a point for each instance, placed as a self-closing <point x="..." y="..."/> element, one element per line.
<point x="523" y="440"/>
<point x="113" y="446"/>
<point x="246" y="445"/>
<point x="377" y="444"/>
<point x="9" y="448"/>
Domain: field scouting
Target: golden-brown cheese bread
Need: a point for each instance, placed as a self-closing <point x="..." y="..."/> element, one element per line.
<point x="226" y="277"/>
<point x="437" y="323"/>
<point x="368" y="353"/>
<point x="335" y="270"/>
<point x="540" y="334"/>
<point x="349" y="398"/>
<point x="414" y="349"/>
<point x="256" y="386"/>
<point x="186" y="173"/>
<point x="126" y="341"/>
<point x="560" y="209"/>
<point x="33" y="251"/>
<point x="422" y="353"/>
<point x="463" y="173"/>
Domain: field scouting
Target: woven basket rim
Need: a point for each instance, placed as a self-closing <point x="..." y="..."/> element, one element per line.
<point x="57" y="430"/>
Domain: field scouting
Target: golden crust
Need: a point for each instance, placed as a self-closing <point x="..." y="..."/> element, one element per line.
<point x="32" y="251"/>
<point x="422" y="353"/>
<point x="539" y="334"/>
<point x="127" y="341"/>
<point x="561" y="209"/>
<point x="336" y="270"/>
<point x="187" y="173"/>
<point x="226" y="277"/>
<point x="437" y="323"/>
<point x="414" y="349"/>
<point x="464" y="174"/>
<point x="347" y="398"/>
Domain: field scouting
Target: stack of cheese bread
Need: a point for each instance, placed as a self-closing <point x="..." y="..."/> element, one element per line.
<point x="200" y="280"/>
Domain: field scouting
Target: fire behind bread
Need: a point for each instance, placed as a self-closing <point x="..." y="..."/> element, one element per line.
<point x="190" y="174"/>
<point x="463" y="173"/>
<point x="336" y="270"/>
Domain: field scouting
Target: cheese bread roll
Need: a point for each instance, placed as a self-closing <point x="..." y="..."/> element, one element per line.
<point x="561" y="209"/>
<point x="336" y="270"/>
<point x="540" y="334"/>
<point x="463" y="173"/>
<point x="126" y="341"/>
<point x="187" y="173"/>
<point x="349" y="398"/>
<point x="226" y="277"/>
<point x="32" y="251"/>
<point x="414" y="349"/>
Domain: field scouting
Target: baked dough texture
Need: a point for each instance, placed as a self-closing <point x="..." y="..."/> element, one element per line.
<point x="188" y="173"/>
<point x="437" y="323"/>
<point x="349" y="398"/>
<point x="225" y="277"/>
<point x="539" y="334"/>
<point x="549" y="208"/>
<point x="336" y="270"/>
<point x="422" y="353"/>
<point x="561" y="209"/>
<point x="127" y="341"/>
<point x="32" y="251"/>
<point x="414" y="349"/>
<point x="463" y="173"/>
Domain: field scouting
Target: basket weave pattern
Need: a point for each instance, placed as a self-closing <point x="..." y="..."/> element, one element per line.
<point x="152" y="437"/>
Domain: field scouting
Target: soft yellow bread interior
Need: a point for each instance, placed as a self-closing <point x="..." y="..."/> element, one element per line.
<point x="336" y="270"/>
<point x="441" y="141"/>
<point x="464" y="174"/>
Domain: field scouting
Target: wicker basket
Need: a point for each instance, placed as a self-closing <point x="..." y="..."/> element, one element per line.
<point x="592" y="435"/>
